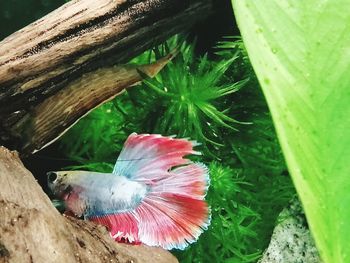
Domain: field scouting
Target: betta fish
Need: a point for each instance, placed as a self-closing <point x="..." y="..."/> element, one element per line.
<point x="154" y="195"/>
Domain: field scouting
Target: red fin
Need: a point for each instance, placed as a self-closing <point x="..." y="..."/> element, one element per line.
<point x="122" y="227"/>
<point x="172" y="221"/>
<point x="173" y="213"/>
<point x="145" y="156"/>
<point x="165" y="220"/>
<point x="191" y="180"/>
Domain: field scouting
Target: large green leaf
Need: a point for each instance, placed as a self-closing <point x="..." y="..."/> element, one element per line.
<point x="300" y="51"/>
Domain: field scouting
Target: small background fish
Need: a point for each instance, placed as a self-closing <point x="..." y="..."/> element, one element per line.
<point x="153" y="196"/>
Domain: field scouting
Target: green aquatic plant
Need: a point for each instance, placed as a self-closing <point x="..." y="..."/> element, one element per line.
<point x="300" y="52"/>
<point x="263" y="185"/>
<point x="258" y="154"/>
<point x="102" y="138"/>
<point x="189" y="98"/>
<point x="251" y="183"/>
<point x="243" y="205"/>
<point x="233" y="222"/>
<point x="191" y="91"/>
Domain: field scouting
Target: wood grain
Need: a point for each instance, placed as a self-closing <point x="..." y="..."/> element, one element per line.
<point x="31" y="229"/>
<point x="83" y="38"/>
<point x="50" y="119"/>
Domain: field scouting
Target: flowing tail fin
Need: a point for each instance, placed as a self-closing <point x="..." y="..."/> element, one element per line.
<point x="174" y="213"/>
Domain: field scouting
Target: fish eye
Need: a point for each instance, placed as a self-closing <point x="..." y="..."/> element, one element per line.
<point x="52" y="176"/>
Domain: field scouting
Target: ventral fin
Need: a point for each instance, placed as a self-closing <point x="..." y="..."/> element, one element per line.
<point x="123" y="227"/>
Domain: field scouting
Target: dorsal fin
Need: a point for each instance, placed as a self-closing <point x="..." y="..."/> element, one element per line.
<point x="145" y="155"/>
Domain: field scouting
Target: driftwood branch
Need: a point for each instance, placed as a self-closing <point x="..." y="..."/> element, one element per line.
<point x="82" y="39"/>
<point x="31" y="229"/>
<point x="51" y="118"/>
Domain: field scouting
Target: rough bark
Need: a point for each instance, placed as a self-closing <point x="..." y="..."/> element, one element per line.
<point x="48" y="120"/>
<point x="31" y="229"/>
<point x="80" y="38"/>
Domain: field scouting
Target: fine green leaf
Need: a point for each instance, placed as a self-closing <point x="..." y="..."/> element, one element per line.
<point x="301" y="54"/>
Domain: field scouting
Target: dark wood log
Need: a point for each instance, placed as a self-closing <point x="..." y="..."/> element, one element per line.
<point x="48" y="120"/>
<point x="31" y="229"/>
<point x="76" y="40"/>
